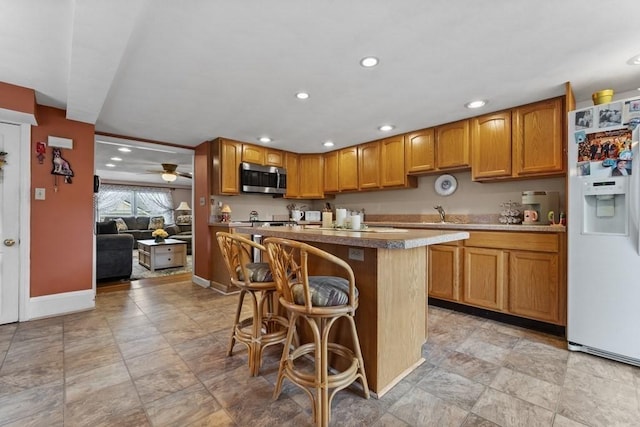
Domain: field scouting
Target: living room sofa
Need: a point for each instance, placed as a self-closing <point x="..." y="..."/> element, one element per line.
<point x="113" y="252"/>
<point x="138" y="227"/>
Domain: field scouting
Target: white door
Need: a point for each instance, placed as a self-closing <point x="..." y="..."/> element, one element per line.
<point x="9" y="223"/>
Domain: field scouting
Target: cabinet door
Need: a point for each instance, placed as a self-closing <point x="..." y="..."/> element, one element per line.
<point x="534" y="285"/>
<point x="274" y="158"/>
<point x="311" y="182"/>
<point x="253" y="154"/>
<point x="452" y="145"/>
<point x="293" y="175"/>
<point x="537" y="138"/>
<point x="230" y="156"/>
<point x="420" y="151"/>
<point x="348" y="169"/>
<point x="444" y="272"/>
<point x="331" y="169"/>
<point x="491" y="146"/>
<point x="392" y="171"/>
<point x="484" y="277"/>
<point x="369" y="165"/>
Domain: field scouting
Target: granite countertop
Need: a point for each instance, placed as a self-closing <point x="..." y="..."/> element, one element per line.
<point x="374" y="237"/>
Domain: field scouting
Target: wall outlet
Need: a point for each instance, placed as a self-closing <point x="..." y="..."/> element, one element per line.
<point x="39" y="194"/>
<point x="356" y="254"/>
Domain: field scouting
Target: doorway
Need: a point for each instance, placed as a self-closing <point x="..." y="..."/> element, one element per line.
<point x="9" y="222"/>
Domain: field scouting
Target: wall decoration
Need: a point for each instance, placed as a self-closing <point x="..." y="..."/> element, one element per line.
<point x="41" y="149"/>
<point x="61" y="166"/>
<point x="3" y="161"/>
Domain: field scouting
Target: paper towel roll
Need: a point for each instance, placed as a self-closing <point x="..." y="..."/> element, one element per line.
<point x="327" y="219"/>
<point x="355" y="222"/>
<point x="341" y="216"/>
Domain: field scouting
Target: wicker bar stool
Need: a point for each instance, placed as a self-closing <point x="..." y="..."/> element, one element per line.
<point x="264" y="327"/>
<point x="320" y="301"/>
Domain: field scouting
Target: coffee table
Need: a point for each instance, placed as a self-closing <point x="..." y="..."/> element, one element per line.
<point x="168" y="254"/>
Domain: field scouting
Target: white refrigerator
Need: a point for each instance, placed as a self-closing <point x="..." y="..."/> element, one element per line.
<point x="603" y="313"/>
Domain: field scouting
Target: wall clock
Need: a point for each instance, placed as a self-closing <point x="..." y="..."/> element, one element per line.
<point x="446" y="185"/>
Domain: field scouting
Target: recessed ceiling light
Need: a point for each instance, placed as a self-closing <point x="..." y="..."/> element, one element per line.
<point x="369" y="61"/>
<point x="634" y="60"/>
<point x="476" y="104"/>
<point x="328" y="144"/>
<point x="302" y="95"/>
<point x="110" y="165"/>
<point x="124" y="149"/>
<point x="386" y="128"/>
<point x="116" y="159"/>
<point x="264" y="139"/>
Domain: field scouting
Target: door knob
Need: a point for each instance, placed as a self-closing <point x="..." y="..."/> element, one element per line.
<point x="9" y="242"/>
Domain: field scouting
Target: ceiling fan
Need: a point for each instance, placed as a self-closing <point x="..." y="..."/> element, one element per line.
<point x="169" y="172"/>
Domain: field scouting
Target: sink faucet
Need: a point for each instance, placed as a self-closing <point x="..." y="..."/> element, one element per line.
<point x="440" y="211"/>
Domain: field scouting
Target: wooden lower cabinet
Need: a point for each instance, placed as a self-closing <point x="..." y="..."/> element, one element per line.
<point x="484" y="277"/>
<point x="517" y="273"/>
<point x="533" y="285"/>
<point x="444" y="271"/>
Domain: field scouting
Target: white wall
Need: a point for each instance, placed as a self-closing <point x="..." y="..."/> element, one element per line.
<point x="469" y="198"/>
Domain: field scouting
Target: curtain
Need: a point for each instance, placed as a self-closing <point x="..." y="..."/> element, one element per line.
<point x="158" y="200"/>
<point x="152" y="200"/>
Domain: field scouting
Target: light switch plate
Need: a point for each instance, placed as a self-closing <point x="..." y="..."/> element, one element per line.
<point x="39" y="194"/>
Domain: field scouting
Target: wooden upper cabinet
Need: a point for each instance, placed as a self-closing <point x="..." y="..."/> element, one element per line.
<point x="253" y="154"/>
<point x="392" y="170"/>
<point x="491" y="146"/>
<point x="538" y="138"/>
<point x="226" y="168"/>
<point x="331" y="169"/>
<point x="452" y="145"/>
<point x="420" y="151"/>
<point x="347" y="169"/>
<point x="291" y="164"/>
<point x="274" y="157"/>
<point x="311" y="176"/>
<point x="369" y="165"/>
<point x="262" y="155"/>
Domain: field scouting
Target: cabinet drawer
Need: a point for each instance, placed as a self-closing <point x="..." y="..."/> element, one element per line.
<point x="174" y="249"/>
<point x="168" y="260"/>
<point x="538" y="242"/>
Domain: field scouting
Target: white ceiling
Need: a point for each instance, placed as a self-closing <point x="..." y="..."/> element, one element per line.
<point x="183" y="72"/>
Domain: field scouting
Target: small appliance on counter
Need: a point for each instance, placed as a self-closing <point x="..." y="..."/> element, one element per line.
<point x="540" y="207"/>
<point x="312" y="216"/>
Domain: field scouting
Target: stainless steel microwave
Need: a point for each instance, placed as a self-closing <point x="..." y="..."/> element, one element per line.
<point x="262" y="179"/>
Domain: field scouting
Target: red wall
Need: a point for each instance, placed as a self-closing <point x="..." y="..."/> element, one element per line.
<point x="62" y="224"/>
<point x="17" y="98"/>
<point x="201" y="188"/>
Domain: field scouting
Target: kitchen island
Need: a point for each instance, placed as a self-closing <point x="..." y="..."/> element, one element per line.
<point x="390" y="267"/>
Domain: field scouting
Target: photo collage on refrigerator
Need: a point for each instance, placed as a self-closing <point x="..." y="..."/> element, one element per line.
<point x="603" y="152"/>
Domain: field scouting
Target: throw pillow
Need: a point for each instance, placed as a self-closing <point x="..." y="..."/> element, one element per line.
<point x="106" y="227"/>
<point x="156" y="222"/>
<point x="121" y="225"/>
<point x="183" y="219"/>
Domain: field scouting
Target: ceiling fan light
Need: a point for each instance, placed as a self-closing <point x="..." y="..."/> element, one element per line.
<point x="169" y="177"/>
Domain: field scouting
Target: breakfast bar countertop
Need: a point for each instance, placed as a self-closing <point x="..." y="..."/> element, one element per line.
<point x="373" y="237"/>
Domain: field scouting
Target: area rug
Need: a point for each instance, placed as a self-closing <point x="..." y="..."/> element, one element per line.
<point x="140" y="272"/>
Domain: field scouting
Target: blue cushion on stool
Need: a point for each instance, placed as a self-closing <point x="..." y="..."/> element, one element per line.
<point x="326" y="291"/>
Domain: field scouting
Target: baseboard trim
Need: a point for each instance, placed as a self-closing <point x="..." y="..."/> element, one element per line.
<point x="59" y="304"/>
<point x="537" y="325"/>
<point x="201" y="281"/>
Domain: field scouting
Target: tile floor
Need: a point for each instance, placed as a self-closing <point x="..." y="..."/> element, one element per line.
<point x="155" y="355"/>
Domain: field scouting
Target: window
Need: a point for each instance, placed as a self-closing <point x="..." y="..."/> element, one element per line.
<point x="123" y="200"/>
